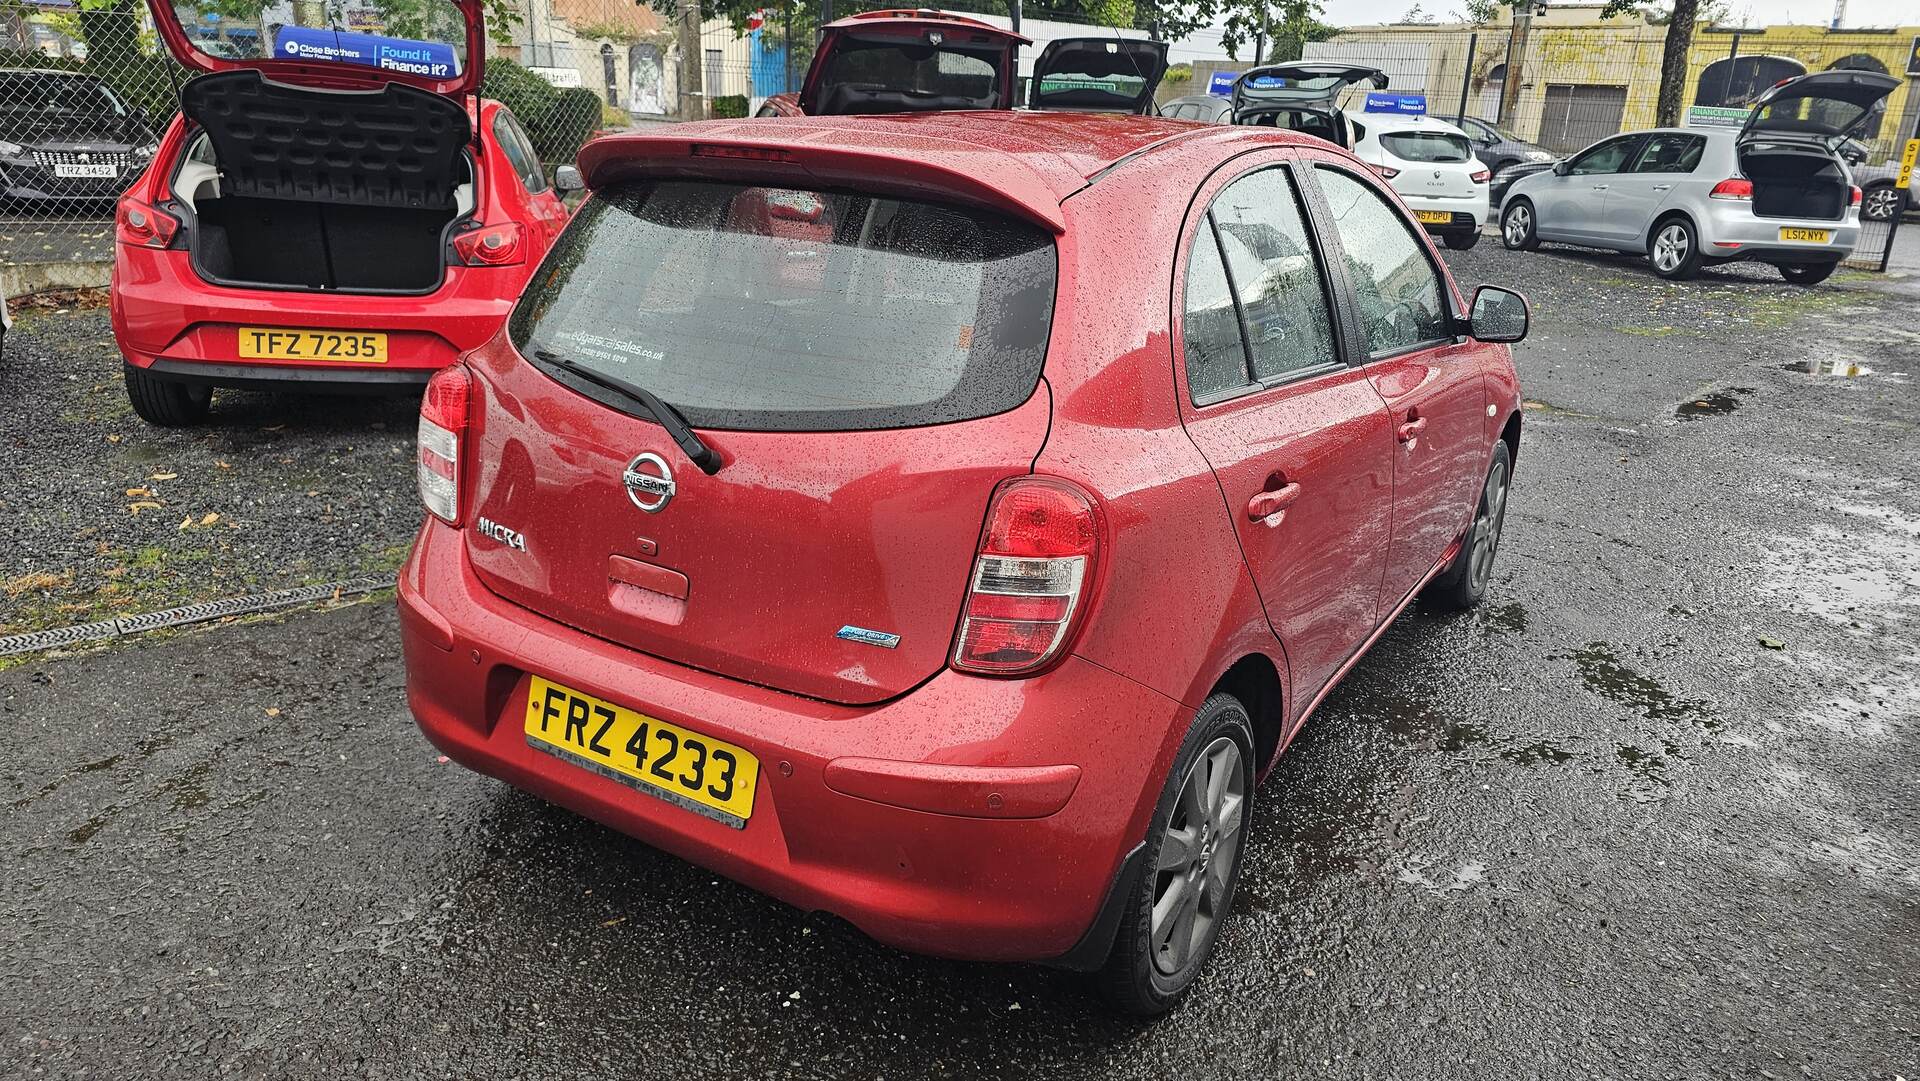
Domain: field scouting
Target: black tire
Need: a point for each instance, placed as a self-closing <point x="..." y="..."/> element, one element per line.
<point x="1145" y="976"/>
<point x="167" y="403"/>
<point x="1806" y="273"/>
<point x="1673" y="249"/>
<point x="1464" y="583"/>
<point x="1882" y="202"/>
<point x="1461" y="241"/>
<point x="1517" y="226"/>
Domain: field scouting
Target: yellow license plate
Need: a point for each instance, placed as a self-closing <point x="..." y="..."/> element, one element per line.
<point x="279" y="343"/>
<point x="1809" y="236"/>
<point x="1433" y="217"/>
<point x="707" y="776"/>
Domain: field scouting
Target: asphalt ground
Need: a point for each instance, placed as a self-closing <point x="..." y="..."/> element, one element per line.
<point x="1652" y="812"/>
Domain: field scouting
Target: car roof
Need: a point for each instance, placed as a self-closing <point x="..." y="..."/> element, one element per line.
<point x="1027" y="161"/>
<point x="1401" y="122"/>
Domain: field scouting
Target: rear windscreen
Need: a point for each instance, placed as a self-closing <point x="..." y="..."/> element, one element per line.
<point x="1433" y="146"/>
<point x="898" y="75"/>
<point x="784" y="309"/>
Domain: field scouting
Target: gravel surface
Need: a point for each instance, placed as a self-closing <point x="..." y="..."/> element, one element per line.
<point x="1651" y="812"/>
<point x="106" y="515"/>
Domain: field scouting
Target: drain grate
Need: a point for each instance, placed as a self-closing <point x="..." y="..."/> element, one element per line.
<point x="189" y="613"/>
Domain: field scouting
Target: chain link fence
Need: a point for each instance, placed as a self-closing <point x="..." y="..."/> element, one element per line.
<point x="87" y="86"/>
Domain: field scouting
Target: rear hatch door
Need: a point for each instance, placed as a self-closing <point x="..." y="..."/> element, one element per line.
<point x="433" y="45"/>
<point x="910" y="61"/>
<point x="1301" y="84"/>
<point x="1108" y="75"/>
<point x="1433" y="161"/>
<point x="866" y="367"/>
<point x="1824" y="107"/>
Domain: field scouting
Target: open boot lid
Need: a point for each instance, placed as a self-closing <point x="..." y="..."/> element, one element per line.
<point x="1825" y="107"/>
<point x="1098" y="74"/>
<point x="436" y="46"/>
<point x="1300" y="84"/>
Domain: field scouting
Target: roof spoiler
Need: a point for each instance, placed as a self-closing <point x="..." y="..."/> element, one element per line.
<point x="1011" y="187"/>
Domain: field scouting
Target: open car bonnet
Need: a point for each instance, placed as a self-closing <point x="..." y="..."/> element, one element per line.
<point x="1098" y="74"/>
<point x="905" y="61"/>
<point x="1301" y="83"/>
<point x="434" y="45"/>
<point x="1826" y="105"/>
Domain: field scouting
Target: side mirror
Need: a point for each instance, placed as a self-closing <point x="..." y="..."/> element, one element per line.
<point x="567" y="179"/>
<point x="1561" y="167"/>
<point x="1498" y="315"/>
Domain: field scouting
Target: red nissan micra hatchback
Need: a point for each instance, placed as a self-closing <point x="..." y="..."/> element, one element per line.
<point x="944" y="521"/>
<point x="338" y="213"/>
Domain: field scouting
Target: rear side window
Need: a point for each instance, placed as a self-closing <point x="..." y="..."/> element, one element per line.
<point x="519" y="150"/>
<point x="1669" y="153"/>
<point x="1256" y="308"/>
<point x="1429" y="146"/>
<point x="790" y="310"/>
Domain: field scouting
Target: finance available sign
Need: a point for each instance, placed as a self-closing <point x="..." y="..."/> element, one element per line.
<point x="432" y="59"/>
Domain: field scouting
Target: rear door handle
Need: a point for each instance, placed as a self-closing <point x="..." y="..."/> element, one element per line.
<point x="1411" y="430"/>
<point x="1662" y="187"/>
<point x="1599" y="187"/>
<point x="1269" y="507"/>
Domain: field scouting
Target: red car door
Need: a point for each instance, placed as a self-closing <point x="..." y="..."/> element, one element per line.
<point x="1429" y="379"/>
<point x="1299" y="441"/>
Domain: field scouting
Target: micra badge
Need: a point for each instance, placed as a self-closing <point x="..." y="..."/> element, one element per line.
<point x="511" y="538"/>
<point x="873" y="638"/>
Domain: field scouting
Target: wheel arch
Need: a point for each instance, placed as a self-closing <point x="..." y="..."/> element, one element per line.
<point x="1510" y="435"/>
<point x="1662" y="218"/>
<point x="1255" y="681"/>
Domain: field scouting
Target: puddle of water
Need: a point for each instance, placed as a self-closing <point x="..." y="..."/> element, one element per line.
<point x="1719" y="403"/>
<point x="1605" y="675"/>
<point x="1507" y="619"/>
<point x="1535" y="753"/>
<point x="1848" y="369"/>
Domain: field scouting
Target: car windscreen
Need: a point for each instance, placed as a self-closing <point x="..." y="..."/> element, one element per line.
<point x="33" y="92"/>
<point x="783" y="309"/>
<point x="1428" y="146"/>
<point x="897" y="75"/>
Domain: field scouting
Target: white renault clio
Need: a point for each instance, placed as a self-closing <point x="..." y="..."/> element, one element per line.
<point x="1431" y="164"/>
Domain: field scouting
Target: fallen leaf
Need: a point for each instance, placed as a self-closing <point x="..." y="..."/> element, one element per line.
<point x="614" y="922"/>
<point x="209" y="518"/>
<point x="114" y="439"/>
<point x="164" y="476"/>
<point x="221" y="464"/>
<point x="145" y="504"/>
<point x="1772" y="643"/>
<point x="134" y="492"/>
<point x="186" y="523"/>
<point x="273" y="711"/>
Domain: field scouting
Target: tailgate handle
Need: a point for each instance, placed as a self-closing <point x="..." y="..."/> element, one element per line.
<point x="653" y="579"/>
<point x="1269" y="507"/>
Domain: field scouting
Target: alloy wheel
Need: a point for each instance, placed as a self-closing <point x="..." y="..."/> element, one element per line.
<point x="1518" y="223"/>
<point x="1670" y="247"/>
<point x="1880" y="203"/>
<point x="1487" y="526"/>
<point x="1198" y="848"/>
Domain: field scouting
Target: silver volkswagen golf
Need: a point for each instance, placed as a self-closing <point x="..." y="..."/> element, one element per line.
<point x="1776" y="191"/>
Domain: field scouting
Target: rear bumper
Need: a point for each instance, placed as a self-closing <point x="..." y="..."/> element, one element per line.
<point x="1733" y="231"/>
<point x="1463" y="215"/>
<point x="166" y="317"/>
<point x="972" y="818"/>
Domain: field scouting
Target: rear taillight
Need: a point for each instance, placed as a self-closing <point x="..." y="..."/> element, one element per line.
<point x="1732" y="188"/>
<point x="1481" y="177"/>
<point x="443" y="426"/>
<point x="137" y="224"/>
<point x="1855" y="199"/>
<point x="495" y="245"/>
<point x="1387" y="172"/>
<point x="1029" y="578"/>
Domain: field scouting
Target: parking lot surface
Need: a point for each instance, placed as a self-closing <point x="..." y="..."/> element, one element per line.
<point x="1651" y="812"/>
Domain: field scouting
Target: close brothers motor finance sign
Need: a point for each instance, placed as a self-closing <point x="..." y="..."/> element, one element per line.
<point x="432" y="59"/>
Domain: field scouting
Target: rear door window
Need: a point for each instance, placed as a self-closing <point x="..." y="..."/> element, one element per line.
<point x="784" y="309"/>
<point x="518" y="148"/>
<point x="1670" y="153"/>
<point x="1427" y="146"/>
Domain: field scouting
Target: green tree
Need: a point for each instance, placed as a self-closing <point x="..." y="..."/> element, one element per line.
<point x="1673" y="54"/>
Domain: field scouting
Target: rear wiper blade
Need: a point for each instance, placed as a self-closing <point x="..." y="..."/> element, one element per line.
<point x="670" y="418"/>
